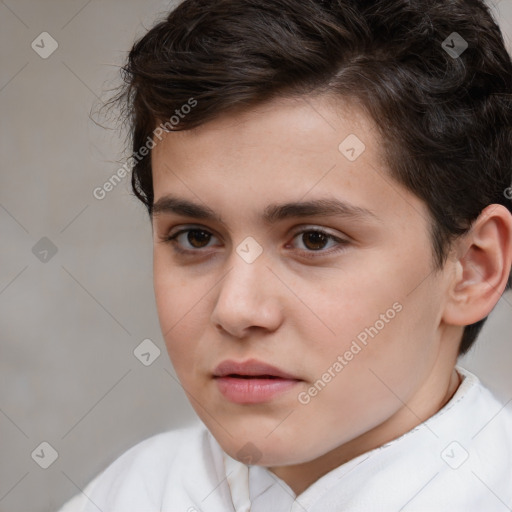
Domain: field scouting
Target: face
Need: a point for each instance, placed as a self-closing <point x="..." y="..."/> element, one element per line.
<point x="343" y="304"/>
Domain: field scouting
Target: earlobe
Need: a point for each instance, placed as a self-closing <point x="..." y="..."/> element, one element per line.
<point x="481" y="273"/>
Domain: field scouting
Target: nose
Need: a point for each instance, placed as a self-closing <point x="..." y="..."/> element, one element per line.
<point x="249" y="298"/>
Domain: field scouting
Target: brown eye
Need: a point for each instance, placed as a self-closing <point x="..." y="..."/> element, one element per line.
<point x="189" y="240"/>
<point x="198" y="237"/>
<point x="314" y="240"/>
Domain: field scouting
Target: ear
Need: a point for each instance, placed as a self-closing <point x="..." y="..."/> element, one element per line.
<point x="482" y="267"/>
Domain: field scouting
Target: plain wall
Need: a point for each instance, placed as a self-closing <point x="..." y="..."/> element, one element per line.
<point x="69" y="325"/>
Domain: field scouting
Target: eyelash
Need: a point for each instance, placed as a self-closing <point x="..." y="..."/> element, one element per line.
<point x="171" y="239"/>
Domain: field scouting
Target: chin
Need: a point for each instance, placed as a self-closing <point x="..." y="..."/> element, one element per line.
<point x="261" y="451"/>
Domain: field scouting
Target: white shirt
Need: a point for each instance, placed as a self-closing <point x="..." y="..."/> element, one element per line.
<point x="460" y="459"/>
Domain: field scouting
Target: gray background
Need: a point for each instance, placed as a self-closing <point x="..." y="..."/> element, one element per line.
<point x="69" y="326"/>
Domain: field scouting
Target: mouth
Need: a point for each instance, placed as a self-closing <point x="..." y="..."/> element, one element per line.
<point x="251" y="369"/>
<point x="236" y="376"/>
<point x="252" y="381"/>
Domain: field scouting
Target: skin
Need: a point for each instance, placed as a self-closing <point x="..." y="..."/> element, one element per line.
<point x="300" y="313"/>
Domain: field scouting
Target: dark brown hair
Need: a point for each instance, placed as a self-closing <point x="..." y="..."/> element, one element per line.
<point x="445" y="118"/>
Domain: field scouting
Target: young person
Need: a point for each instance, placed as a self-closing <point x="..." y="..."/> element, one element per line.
<point x="328" y="184"/>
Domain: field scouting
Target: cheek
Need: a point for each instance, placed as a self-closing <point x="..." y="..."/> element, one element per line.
<point x="357" y="379"/>
<point x="372" y="320"/>
<point x="181" y="312"/>
<point x="177" y="293"/>
<point x="348" y="304"/>
<point x="388" y="358"/>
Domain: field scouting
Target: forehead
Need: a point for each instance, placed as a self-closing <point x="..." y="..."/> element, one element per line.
<point x="295" y="125"/>
<point x="293" y="148"/>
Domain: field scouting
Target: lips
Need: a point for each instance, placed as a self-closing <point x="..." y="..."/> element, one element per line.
<point x="251" y="369"/>
<point x="252" y="381"/>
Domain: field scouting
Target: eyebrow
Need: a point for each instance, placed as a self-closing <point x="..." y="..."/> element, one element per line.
<point x="169" y="204"/>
